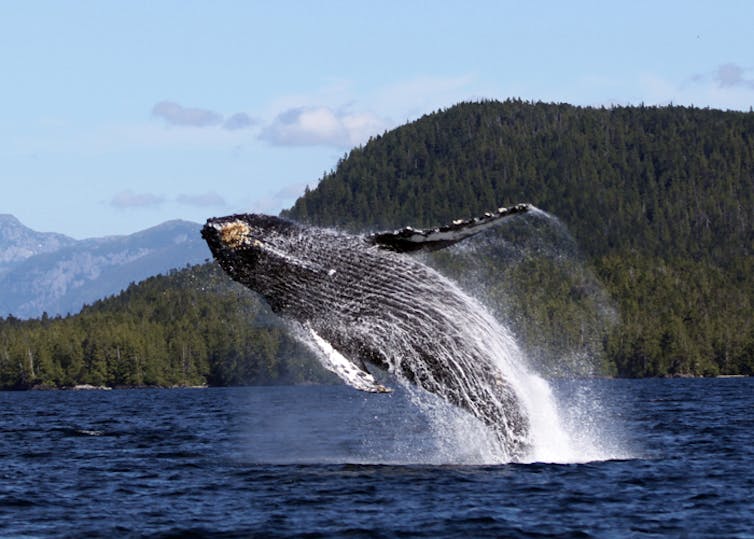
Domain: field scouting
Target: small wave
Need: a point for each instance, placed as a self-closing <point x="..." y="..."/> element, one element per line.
<point x="87" y="432"/>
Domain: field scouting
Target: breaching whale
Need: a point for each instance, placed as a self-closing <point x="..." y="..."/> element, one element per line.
<point x="360" y="299"/>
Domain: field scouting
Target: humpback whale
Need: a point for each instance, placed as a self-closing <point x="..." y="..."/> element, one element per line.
<point x="364" y="300"/>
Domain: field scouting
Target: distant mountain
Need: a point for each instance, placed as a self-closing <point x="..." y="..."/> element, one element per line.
<point x="52" y="273"/>
<point x="17" y="242"/>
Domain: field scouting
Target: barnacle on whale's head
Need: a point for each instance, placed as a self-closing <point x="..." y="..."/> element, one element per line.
<point x="235" y="234"/>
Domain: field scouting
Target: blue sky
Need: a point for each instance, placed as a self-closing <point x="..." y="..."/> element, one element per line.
<point x="117" y="116"/>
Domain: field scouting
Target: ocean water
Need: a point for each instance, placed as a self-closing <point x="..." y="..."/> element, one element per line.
<point x="652" y="458"/>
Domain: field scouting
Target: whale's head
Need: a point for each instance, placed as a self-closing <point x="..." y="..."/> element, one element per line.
<point x="243" y="240"/>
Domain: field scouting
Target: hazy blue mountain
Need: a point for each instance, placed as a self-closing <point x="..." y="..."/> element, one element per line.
<point x="52" y="273"/>
<point x="17" y="242"/>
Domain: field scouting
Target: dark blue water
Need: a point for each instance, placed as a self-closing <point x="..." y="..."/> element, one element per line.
<point x="333" y="462"/>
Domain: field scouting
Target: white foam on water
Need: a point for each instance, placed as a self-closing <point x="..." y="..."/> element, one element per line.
<point x="576" y="436"/>
<point x="572" y="427"/>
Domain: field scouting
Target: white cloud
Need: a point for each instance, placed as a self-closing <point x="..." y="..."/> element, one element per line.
<point x="329" y="116"/>
<point x="175" y="114"/>
<point x="322" y="126"/>
<point x="128" y="199"/>
<point x="208" y="199"/>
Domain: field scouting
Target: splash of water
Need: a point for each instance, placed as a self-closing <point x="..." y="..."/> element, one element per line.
<point x="516" y="269"/>
<point x="552" y="436"/>
<point x="566" y="429"/>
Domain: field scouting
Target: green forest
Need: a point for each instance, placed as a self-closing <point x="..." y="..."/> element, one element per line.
<point x="191" y="327"/>
<point x="659" y="200"/>
<point x="641" y="265"/>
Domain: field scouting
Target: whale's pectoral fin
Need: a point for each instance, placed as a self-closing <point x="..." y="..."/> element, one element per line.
<point x="410" y="239"/>
<point x="346" y="369"/>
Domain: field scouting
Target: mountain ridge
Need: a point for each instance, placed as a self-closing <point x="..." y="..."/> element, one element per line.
<point x="19" y="242"/>
<point x="54" y="274"/>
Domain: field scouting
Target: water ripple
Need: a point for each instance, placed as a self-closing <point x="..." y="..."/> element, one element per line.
<point x="330" y="462"/>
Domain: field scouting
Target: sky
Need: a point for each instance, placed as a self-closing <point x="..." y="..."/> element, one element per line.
<point x="118" y="116"/>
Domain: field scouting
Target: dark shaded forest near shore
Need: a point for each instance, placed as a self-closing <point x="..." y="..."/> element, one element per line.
<point x="657" y="205"/>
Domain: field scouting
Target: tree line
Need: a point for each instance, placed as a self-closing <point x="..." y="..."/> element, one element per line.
<point x="190" y="327"/>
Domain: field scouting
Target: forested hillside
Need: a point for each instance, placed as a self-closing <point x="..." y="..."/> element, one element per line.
<point x="191" y="327"/>
<point x="653" y="277"/>
<point x="659" y="200"/>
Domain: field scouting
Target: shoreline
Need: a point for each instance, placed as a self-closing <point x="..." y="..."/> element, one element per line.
<point x="91" y="387"/>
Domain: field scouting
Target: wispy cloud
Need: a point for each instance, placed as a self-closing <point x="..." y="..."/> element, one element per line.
<point x="175" y="114"/>
<point x="731" y="75"/>
<point x="321" y="126"/>
<point x="727" y="86"/>
<point x="239" y="120"/>
<point x="292" y="191"/>
<point x="726" y="77"/>
<point x="408" y="99"/>
<point x="128" y="199"/>
<point x="208" y="199"/>
<point x="272" y="202"/>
